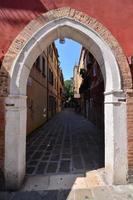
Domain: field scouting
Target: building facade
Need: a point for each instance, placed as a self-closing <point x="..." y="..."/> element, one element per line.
<point x="77" y="78"/>
<point x="89" y="88"/>
<point x="43" y="89"/>
<point x="60" y="90"/>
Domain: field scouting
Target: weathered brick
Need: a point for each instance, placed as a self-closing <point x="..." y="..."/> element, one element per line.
<point x="2" y="131"/>
<point x="130" y="131"/>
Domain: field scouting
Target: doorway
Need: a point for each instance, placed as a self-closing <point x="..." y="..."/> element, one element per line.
<point x="66" y="25"/>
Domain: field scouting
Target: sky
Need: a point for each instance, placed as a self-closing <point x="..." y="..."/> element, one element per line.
<point x="69" y="53"/>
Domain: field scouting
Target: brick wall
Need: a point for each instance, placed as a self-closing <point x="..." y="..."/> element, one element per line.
<point x="3" y="94"/>
<point x="2" y="126"/>
<point x="130" y="134"/>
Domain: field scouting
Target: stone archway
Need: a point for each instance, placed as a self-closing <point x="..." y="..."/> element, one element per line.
<point x="30" y="43"/>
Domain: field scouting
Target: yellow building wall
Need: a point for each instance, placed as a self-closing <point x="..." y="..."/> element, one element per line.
<point x="36" y="100"/>
<point x="40" y="90"/>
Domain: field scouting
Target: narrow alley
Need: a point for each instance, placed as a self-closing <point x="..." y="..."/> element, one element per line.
<point x="59" y="155"/>
<point x="67" y="144"/>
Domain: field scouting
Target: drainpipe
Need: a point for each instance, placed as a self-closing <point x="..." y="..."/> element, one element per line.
<point x="57" y="90"/>
<point x="47" y="86"/>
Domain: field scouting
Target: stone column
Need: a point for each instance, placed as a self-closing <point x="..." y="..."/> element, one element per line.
<point x="15" y="141"/>
<point x="115" y="137"/>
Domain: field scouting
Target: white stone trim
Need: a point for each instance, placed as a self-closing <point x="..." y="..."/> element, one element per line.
<point x="15" y="140"/>
<point x="76" y="31"/>
<point x="116" y="163"/>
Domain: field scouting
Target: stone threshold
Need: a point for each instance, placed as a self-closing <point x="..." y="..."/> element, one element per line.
<point x="63" y="182"/>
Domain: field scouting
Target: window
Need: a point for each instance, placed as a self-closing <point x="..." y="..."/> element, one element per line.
<point x="38" y="63"/>
<point x="60" y="91"/>
<point x="43" y="66"/>
<point x="50" y="51"/>
<point x="55" y="83"/>
<point x="50" y="77"/>
<point x="94" y="69"/>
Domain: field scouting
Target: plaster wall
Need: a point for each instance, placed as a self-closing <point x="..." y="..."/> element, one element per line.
<point x="36" y="100"/>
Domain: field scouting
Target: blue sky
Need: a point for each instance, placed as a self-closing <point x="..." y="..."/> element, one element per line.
<point x="68" y="55"/>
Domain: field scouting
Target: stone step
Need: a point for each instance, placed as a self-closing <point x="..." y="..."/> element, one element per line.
<point x="123" y="192"/>
<point x="65" y="181"/>
<point x="95" y="178"/>
<point x="54" y="182"/>
<point x="48" y="195"/>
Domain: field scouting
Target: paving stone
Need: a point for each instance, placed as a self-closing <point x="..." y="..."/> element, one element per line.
<point x="49" y="148"/>
<point x="59" y="141"/>
<point x="55" y="157"/>
<point x="45" y="158"/>
<point x="47" y="153"/>
<point x="6" y="195"/>
<point x="41" y="167"/>
<point x="96" y="193"/>
<point x="35" y="183"/>
<point x="52" y="142"/>
<point x="58" y="146"/>
<point x="66" y="135"/>
<point x="29" y="153"/>
<point x="66" y="150"/>
<point x="77" y="163"/>
<point x="75" y="151"/>
<point x="42" y="147"/>
<point x="30" y="170"/>
<point x="67" y="145"/>
<point x="66" y="156"/>
<point x="64" y="166"/>
<point x="27" y="196"/>
<point x="56" y="151"/>
<point x="32" y="162"/>
<point x="37" y="142"/>
<point x="63" y="194"/>
<point x="52" y="167"/>
<point x="50" y="195"/>
<point x="37" y="155"/>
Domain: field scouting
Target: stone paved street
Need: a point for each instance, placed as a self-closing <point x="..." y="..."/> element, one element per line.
<point x="58" y="155"/>
<point x="97" y="193"/>
<point x="67" y="144"/>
